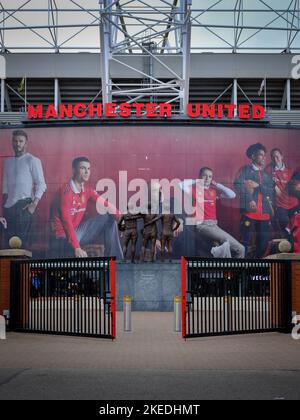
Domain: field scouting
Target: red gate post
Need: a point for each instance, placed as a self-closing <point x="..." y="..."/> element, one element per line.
<point x="183" y="300"/>
<point x="113" y="296"/>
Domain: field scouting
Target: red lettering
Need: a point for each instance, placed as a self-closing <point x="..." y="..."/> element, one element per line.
<point x="110" y="110"/>
<point x="244" y="112"/>
<point x="51" y="112"/>
<point x="125" y="109"/>
<point x="230" y="110"/>
<point x="151" y="110"/>
<point x="95" y="109"/>
<point x="65" y="111"/>
<point x="80" y="110"/>
<point x="165" y="110"/>
<point x="258" y="112"/>
<point x="138" y="108"/>
<point x="35" y="112"/>
<point x="209" y="111"/>
<point x="193" y="113"/>
<point x="220" y="111"/>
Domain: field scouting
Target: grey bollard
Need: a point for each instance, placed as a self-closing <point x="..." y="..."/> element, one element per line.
<point x="127" y="313"/>
<point x="177" y="313"/>
<point x="2" y="328"/>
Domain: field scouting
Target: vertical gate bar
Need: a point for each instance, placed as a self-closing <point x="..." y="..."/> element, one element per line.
<point x="282" y="311"/>
<point x="207" y="271"/>
<point x="213" y="304"/>
<point x="63" y="301"/>
<point x="266" y="301"/>
<point x="27" y="296"/>
<point x="38" y="307"/>
<point x="234" y="301"/>
<point x="197" y="311"/>
<point x="89" y="298"/>
<point x="209" y="302"/>
<point x="238" y="292"/>
<point x="276" y="296"/>
<point x="223" y="301"/>
<point x="68" y="285"/>
<point x="79" y="303"/>
<point x="255" y="297"/>
<point x="283" y="298"/>
<point x="279" y="296"/>
<point x="260" y="295"/>
<point x="109" y="307"/>
<point x="101" y="280"/>
<point x="82" y="291"/>
<point x="106" y="274"/>
<point x="243" y="292"/>
<point x="51" y="296"/>
<point x="55" y="296"/>
<point x="247" y="320"/>
<point x="106" y="287"/>
<point x="92" y="311"/>
<point x="19" y="293"/>
<point x="74" y="300"/>
<point x="60" y="301"/>
<point x="47" y="281"/>
<point x="113" y="296"/>
<point x="20" y="282"/>
<point x="183" y="296"/>
<point x="39" y="304"/>
<point x="42" y="286"/>
<point x="97" y="300"/>
<point x="221" y="291"/>
<point x="252" y="295"/>
<point x="192" y="304"/>
<point x="23" y="286"/>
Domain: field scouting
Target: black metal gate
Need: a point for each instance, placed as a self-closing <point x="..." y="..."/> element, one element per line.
<point x="224" y="296"/>
<point x="65" y="296"/>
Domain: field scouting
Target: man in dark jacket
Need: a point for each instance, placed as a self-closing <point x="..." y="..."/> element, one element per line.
<point x="256" y="190"/>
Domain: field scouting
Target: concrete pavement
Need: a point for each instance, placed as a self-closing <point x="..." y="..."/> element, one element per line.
<point x="152" y="362"/>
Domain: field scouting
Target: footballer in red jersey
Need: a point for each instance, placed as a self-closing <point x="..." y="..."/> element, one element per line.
<point x="285" y="203"/>
<point x="70" y="229"/>
<point x="207" y="226"/>
<point x="256" y="190"/>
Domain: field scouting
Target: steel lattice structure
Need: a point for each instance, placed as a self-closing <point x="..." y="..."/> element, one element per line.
<point x="216" y="25"/>
<point x="121" y="30"/>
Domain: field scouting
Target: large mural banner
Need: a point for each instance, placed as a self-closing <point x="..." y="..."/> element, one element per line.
<point x="150" y="192"/>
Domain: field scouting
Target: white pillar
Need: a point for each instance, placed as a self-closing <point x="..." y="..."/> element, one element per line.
<point x="288" y="94"/>
<point x="235" y="95"/>
<point x="56" y="94"/>
<point x="2" y="106"/>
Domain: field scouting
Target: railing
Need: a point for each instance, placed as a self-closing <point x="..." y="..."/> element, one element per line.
<point x="235" y="296"/>
<point x="65" y="296"/>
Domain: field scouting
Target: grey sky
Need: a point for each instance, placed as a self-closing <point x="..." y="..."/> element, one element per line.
<point x="203" y="38"/>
